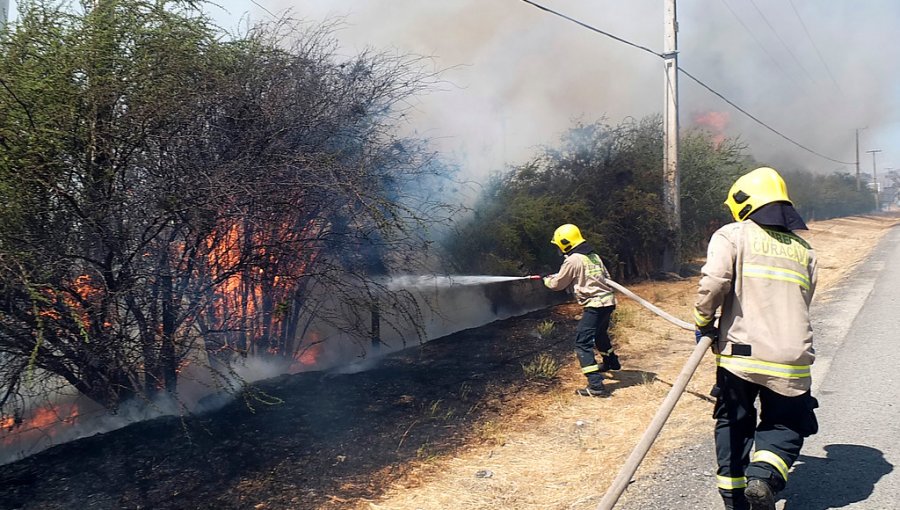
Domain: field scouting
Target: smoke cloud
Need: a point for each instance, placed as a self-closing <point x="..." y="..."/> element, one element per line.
<point x="517" y="77"/>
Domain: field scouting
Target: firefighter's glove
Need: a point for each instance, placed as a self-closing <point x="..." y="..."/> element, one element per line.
<point x="709" y="330"/>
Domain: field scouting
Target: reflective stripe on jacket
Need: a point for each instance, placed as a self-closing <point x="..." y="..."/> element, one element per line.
<point x="764" y="281"/>
<point x="587" y="275"/>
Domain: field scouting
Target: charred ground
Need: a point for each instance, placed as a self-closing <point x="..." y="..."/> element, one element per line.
<point x="311" y="440"/>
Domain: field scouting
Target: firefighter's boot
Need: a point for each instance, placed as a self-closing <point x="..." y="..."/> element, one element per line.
<point x="759" y="495"/>
<point x="610" y="362"/>
<point x="734" y="500"/>
<point x="593" y="391"/>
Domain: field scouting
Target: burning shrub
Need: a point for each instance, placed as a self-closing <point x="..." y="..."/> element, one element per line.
<point x="171" y="199"/>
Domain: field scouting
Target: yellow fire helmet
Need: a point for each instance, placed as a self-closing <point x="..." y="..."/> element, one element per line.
<point x="567" y="237"/>
<point x="754" y="190"/>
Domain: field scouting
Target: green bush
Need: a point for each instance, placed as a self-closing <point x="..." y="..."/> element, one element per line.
<point x="608" y="181"/>
<point x="820" y="197"/>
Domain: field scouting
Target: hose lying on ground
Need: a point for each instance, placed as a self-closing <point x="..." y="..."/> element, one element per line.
<point x="662" y="414"/>
<point x="640" y="451"/>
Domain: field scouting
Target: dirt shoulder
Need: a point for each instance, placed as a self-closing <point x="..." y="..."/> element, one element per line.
<point x="449" y="424"/>
<point x="570" y="449"/>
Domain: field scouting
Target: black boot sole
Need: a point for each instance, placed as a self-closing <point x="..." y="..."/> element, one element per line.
<point x="759" y="496"/>
<point x="609" y="367"/>
<point x="587" y="392"/>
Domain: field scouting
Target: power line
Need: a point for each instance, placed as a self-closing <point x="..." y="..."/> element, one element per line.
<point x="751" y="116"/>
<point x="788" y="48"/>
<point x="692" y="77"/>
<point x="270" y="13"/>
<point x="815" y="47"/>
<point x="594" y="29"/>
<point x="758" y="42"/>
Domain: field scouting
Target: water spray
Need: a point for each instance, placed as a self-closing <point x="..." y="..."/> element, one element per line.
<point x="433" y="281"/>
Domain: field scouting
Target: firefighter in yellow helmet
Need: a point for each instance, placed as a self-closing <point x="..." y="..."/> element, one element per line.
<point x="584" y="272"/>
<point x="762" y="275"/>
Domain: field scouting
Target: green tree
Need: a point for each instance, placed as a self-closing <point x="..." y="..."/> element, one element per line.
<point x="824" y="196"/>
<point x="708" y="169"/>
<point x="608" y="181"/>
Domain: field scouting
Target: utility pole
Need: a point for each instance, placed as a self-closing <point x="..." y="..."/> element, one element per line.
<point x="858" y="187"/>
<point x="671" y="184"/>
<point x="893" y="196"/>
<point x="875" y="178"/>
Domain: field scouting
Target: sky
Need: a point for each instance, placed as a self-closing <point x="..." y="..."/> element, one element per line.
<point x="516" y="77"/>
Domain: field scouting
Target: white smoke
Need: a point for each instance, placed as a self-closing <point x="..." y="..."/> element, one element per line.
<point x="518" y="76"/>
<point x="63" y="415"/>
<point x="68" y="417"/>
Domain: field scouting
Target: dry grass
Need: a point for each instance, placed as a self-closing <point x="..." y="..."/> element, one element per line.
<point x="545" y="328"/>
<point x="542" y="366"/>
<point x="842" y="243"/>
<point x="561" y="451"/>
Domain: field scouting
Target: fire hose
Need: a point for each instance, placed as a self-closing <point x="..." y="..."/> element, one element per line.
<point x="650" y="306"/>
<point x="662" y="414"/>
<point x="620" y="483"/>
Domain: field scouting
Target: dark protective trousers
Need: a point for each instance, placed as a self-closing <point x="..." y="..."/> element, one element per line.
<point x="593" y="330"/>
<point x="783" y="424"/>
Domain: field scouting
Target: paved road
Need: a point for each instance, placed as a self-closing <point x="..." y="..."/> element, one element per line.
<point x="856" y="377"/>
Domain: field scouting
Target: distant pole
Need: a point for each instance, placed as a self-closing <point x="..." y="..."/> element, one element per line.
<point x="858" y="187"/>
<point x="671" y="185"/>
<point x="887" y="171"/>
<point x="875" y="178"/>
<point x="4" y="13"/>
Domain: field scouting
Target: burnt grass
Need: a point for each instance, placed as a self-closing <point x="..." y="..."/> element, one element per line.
<point x="331" y="441"/>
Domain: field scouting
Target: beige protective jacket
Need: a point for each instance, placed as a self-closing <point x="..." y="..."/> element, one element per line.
<point x="587" y="275"/>
<point x="764" y="281"/>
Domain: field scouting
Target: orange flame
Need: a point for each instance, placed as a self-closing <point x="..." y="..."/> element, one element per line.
<point x="83" y="291"/>
<point x="255" y="283"/>
<point x="47" y="420"/>
<point x="309" y="355"/>
<point x="715" y="123"/>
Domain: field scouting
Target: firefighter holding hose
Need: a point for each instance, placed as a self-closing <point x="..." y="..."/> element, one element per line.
<point x="763" y="276"/>
<point x="584" y="272"/>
